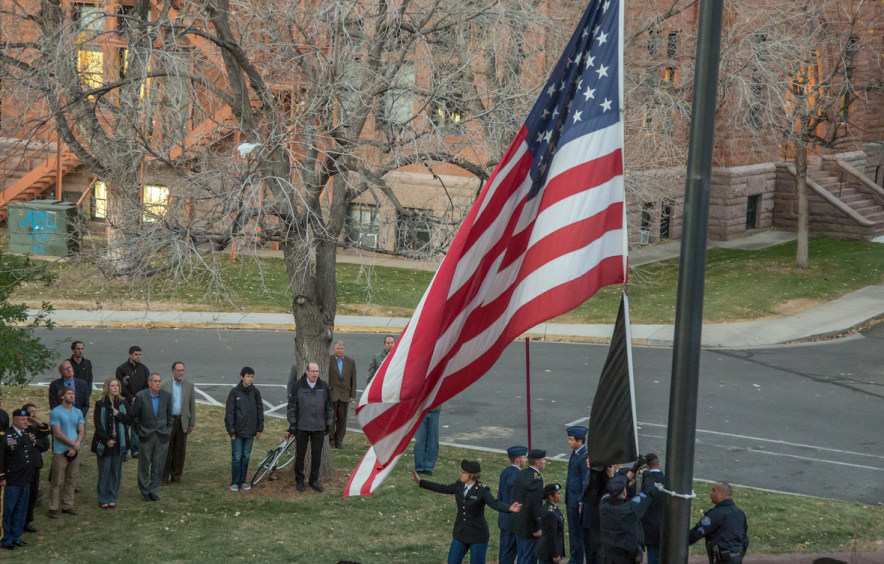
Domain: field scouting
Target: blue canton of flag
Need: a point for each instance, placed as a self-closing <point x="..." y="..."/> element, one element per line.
<point x="583" y="93"/>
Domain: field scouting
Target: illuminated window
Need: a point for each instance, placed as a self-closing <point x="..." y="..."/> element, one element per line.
<point x="89" y="19"/>
<point x="99" y="201"/>
<point x="156" y="199"/>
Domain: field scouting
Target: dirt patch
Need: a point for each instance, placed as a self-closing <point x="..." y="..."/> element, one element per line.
<point x="117" y="305"/>
<point x="284" y="485"/>
<point x="372" y="310"/>
<point x="791" y="307"/>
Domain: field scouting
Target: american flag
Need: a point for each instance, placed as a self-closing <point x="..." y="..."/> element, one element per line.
<point x="546" y="232"/>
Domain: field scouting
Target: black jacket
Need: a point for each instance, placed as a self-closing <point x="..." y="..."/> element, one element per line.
<point x="310" y="409"/>
<point x="724" y="526"/>
<point x="527" y="490"/>
<point x="621" y="525"/>
<point x="133" y="378"/>
<point x="651" y="522"/>
<point x="551" y="544"/>
<point x="244" y="414"/>
<point x="597" y="484"/>
<point x="470" y="526"/>
<point x="4" y="420"/>
<point x="81" y="394"/>
<point x="19" y="456"/>
<point x="83" y="371"/>
<point x="103" y="427"/>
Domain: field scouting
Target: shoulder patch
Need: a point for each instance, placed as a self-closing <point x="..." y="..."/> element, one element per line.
<point x="705" y="521"/>
<point x="536" y="476"/>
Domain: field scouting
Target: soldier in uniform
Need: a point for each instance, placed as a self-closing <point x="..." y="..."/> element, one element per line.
<point x="18" y="464"/>
<point x="528" y="491"/>
<point x="518" y="459"/>
<point x="551" y="547"/>
<point x="724" y="527"/>
<point x="621" y="526"/>
<point x="578" y="473"/>
<point x="470" y="528"/>
<point x="43" y="444"/>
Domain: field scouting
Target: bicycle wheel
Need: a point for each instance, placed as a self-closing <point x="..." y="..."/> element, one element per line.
<point x="266" y="466"/>
<point x="288" y="454"/>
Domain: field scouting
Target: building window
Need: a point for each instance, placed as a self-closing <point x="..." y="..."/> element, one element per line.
<point x="362" y="226"/>
<point x="647" y="216"/>
<point x="672" y="44"/>
<point x="89" y="20"/>
<point x="414" y="234"/>
<point x="666" y="219"/>
<point x="752" y="211"/>
<point x="653" y="43"/>
<point x="397" y="106"/>
<point x="99" y="200"/>
<point x="156" y="200"/>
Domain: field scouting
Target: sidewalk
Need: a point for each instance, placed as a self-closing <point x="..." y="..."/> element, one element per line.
<point x="834" y="318"/>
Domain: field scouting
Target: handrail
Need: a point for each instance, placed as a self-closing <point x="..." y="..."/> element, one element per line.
<point x="870" y="187"/>
<point x="24" y="147"/>
<point x="830" y="198"/>
<point x="87" y="191"/>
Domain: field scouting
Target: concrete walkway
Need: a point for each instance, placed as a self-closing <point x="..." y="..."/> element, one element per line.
<point x="834" y="318"/>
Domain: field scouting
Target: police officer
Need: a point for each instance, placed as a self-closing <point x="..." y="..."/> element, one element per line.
<point x="577" y="476"/>
<point x="621" y="526"/>
<point x="528" y="491"/>
<point x="18" y="464"/>
<point x="724" y="527"/>
<point x="518" y="456"/>
<point x="470" y="528"/>
<point x="551" y="547"/>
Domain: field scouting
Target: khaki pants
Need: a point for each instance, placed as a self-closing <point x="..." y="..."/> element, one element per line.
<point x="63" y="472"/>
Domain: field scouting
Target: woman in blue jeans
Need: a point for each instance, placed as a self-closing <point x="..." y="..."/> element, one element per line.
<point x="244" y="419"/>
<point x="110" y="441"/>
<point x="470" y="528"/>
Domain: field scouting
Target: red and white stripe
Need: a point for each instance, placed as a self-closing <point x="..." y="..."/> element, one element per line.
<point x="513" y="264"/>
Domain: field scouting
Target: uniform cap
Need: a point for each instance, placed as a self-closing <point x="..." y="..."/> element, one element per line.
<point x="536" y="454"/>
<point x="550" y="489"/>
<point x="517" y="451"/>
<point x="578" y="432"/>
<point x="617" y="484"/>
<point x="470" y="466"/>
<point x="20" y="413"/>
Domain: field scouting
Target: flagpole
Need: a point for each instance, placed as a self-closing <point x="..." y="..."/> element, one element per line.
<point x="681" y="433"/>
<point x="528" y="385"/>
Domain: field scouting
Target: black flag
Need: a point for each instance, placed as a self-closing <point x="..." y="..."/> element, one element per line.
<point x="611" y="438"/>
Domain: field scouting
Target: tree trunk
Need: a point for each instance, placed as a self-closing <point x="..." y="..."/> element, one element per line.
<point x="122" y="255"/>
<point x="801" y="260"/>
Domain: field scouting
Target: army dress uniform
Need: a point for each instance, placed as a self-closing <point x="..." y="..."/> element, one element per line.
<point x="528" y="490"/>
<point x="726" y="532"/>
<point x="507" y="548"/>
<point x="19" y="462"/>
<point x="552" y="542"/>
<point x="470" y="528"/>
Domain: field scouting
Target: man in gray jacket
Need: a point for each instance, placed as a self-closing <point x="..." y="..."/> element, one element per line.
<point x="153" y="425"/>
<point x="310" y="412"/>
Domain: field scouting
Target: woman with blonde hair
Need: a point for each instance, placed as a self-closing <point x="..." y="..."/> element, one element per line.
<point x="110" y="441"/>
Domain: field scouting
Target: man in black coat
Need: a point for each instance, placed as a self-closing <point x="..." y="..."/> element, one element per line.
<point x="18" y="464"/>
<point x="133" y="377"/>
<point x="724" y="527"/>
<point x="43" y="444"/>
<point x="596" y="488"/>
<point x="651" y="522"/>
<point x="81" y="390"/>
<point x="82" y="367"/>
<point x="528" y="491"/>
<point x="310" y="414"/>
<point x="620" y="520"/>
<point x="551" y="547"/>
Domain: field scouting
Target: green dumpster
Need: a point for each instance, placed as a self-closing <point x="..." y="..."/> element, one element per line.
<point x="43" y="227"/>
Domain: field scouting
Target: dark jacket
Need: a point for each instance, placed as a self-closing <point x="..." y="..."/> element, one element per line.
<point x="551" y="544"/>
<point x="375" y="364"/>
<point x="42" y="442"/>
<point x="133" y="378"/>
<point x="81" y="394"/>
<point x="310" y="409"/>
<point x="470" y="526"/>
<point x="505" y="495"/>
<point x="652" y="521"/>
<point x="244" y="414"/>
<point x="108" y="423"/>
<point x="19" y="455"/>
<point x="596" y="485"/>
<point x="4" y="420"/>
<point x="621" y="525"/>
<point x="723" y="526"/>
<point x="577" y="473"/>
<point x="83" y="371"/>
<point x="527" y="490"/>
<point x="148" y="423"/>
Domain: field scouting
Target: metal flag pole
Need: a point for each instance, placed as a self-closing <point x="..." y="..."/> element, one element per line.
<point x="681" y="433"/>
<point x="528" y="385"/>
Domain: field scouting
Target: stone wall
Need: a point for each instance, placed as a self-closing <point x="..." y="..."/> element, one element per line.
<point x="729" y="199"/>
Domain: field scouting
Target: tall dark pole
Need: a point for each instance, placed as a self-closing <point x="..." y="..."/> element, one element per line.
<point x="528" y="384"/>
<point x="689" y="306"/>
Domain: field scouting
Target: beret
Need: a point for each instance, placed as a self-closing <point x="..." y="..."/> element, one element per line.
<point x="21" y="413"/>
<point x="537" y="454"/>
<point x="470" y="466"/>
<point x="551" y="489"/>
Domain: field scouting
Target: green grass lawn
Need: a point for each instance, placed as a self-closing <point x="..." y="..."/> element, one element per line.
<point x="200" y="520"/>
<point x="740" y="285"/>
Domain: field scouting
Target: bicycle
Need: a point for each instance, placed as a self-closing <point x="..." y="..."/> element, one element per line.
<point x="284" y="453"/>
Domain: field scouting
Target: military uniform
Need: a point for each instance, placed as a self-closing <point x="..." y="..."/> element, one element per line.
<point x="725" y="529"/>
<point x="577" y="476"/>
<point x="527" y="490"/>
<point x="507" y="547"/>
<point x="19" y="460"/>
<point x="552" y="542"/>
<point x="42" y="444"/>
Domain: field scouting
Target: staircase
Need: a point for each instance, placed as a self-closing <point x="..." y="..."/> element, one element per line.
<point x="848" y="190"/>
<point x="31" y="173"/>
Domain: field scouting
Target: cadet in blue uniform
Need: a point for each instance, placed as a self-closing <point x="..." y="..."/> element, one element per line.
<point x="578" y="473"/>
<point x="470" y="528"/>
<point x="528" y="490"/>
<point x="18" y="464"/>
<point x="551" y="547"/>
<point x="621" y="526"/>
<point x="724" y="527"/>
<point x="518" y="460"/>
<point x="652" y="521"/>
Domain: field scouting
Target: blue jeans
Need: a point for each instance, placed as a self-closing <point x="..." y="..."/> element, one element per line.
<point x="15" y="509"/>
<point x="426" y="443"/>
<point x="507" y="552"/>
<point x="133" y="444"/>
<point x="526" y="550"/>
<point x="241" y="449"/>
<point x="458" y="550"/>
<point x="653" y="555"/>
<point x="575" y="534"/>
